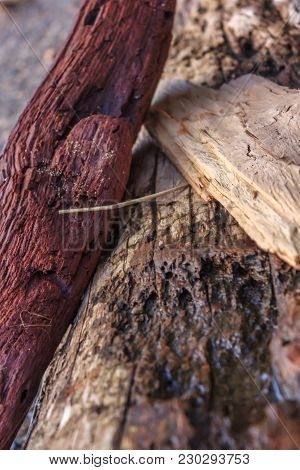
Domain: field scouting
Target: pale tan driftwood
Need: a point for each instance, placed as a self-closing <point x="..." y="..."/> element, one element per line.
<point x="239" y="144"/>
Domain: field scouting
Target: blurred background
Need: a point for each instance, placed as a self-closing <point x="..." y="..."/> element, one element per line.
<point x="31" y="34"/>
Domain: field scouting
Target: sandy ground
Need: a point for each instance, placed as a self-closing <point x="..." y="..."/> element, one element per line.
<point x="31" y="34"/>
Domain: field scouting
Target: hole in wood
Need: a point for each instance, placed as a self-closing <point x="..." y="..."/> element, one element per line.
<point x="168" y="15"/>
<point x="23" y="395"/>
<point x="91" y="16"/>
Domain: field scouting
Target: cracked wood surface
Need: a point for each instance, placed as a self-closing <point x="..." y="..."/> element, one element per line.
<point x="240" y="145"/>
<point x="72" y="144"/>
<point x="188" y="337"/>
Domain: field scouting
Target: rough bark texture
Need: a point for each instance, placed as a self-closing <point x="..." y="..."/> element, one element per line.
<point x="240" y="145"/>
<point x="188" y="336"/>
<point x="71" y="145"/>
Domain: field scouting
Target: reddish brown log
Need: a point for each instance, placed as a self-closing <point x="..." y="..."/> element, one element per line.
<point x="71" y="145"/>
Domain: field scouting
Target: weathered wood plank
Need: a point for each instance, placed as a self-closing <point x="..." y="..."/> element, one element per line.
<point x="240" y="145"/>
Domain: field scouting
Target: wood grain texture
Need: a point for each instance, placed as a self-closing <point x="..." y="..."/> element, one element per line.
<point x="188" y="335"/>
<point x="240" y="145"/>
<point x="170" y="348"/>
<point x="72" y="144"/>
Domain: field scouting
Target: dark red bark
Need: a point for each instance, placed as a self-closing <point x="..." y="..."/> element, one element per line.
<point x="71" y="147"/>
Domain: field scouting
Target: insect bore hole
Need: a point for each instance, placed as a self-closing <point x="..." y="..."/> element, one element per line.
<point x="23" y="395"/>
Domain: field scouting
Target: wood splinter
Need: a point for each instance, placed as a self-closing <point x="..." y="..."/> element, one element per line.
<point x="121" y="205"/>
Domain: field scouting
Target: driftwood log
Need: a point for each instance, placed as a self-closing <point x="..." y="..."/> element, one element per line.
<point x="71" y="145"/>
<point x="240" y="145"/>
<point x="188" y="335"/>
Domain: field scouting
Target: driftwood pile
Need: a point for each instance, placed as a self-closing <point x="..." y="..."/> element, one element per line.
<point x="150" y="343"/>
